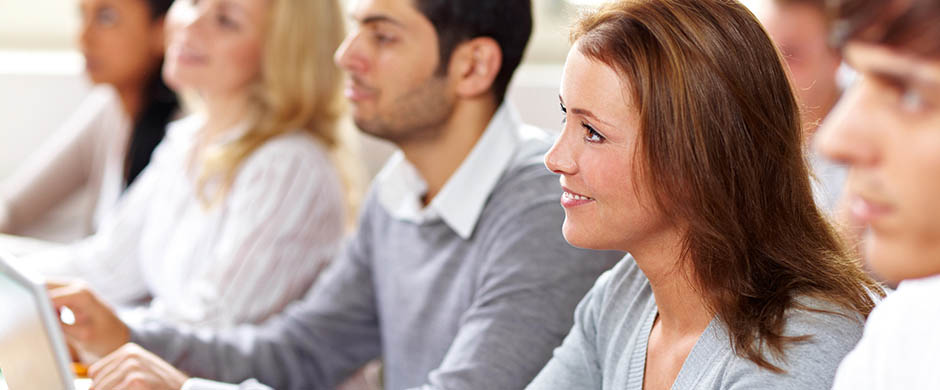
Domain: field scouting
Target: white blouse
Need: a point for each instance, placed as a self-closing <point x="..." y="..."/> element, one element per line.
<point x="239" y="261"/>
<point x="88" y="150"/>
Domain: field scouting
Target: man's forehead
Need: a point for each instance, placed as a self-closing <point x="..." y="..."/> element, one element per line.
<point x="400" y="12"/>
<point x="871" y="58"/>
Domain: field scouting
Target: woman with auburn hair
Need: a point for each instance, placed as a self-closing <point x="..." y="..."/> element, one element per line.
<point x="244" y="202"/>
<point x="682" y="145"/>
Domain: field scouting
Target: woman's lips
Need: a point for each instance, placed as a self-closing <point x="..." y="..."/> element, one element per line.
<point x="187" y="55"/>
<point x="573" y="199"/>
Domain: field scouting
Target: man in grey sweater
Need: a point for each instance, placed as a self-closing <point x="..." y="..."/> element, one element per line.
<point x="458" y="277"/>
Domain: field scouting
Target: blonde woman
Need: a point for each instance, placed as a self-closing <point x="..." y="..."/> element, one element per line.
<point x="244" y="201"/>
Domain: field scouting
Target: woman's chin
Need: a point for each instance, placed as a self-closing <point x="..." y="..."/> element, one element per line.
<point x="579" y="238"/>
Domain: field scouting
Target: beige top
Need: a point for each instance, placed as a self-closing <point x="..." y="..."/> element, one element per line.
<point x="87" y="151"/>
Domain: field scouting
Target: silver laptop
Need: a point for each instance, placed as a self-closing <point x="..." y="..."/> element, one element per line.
<point x="33" y="354"/>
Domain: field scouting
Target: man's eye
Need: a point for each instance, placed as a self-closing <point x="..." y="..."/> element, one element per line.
<point x="912" y="100"/>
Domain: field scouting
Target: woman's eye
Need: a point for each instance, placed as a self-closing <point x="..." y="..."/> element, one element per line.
<point x="591" y="135"/>
<point x="107" y="17"/>
<point x="226" y="22"/>
<point x="564" y="114"/>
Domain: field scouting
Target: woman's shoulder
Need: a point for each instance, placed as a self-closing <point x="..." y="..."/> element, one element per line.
<point x="827" y="332"/>
<point x="907" y="316"/>
<point x="102" y="97"/>
<point x="296" y="146"/>
<point x="821" y="318"/>
<point x="185" y="129"/>
<point x="621" y="290"/>
<point x="100" y="112"/>
<point x="295" y="157"/>
<point x="625" y="276"/>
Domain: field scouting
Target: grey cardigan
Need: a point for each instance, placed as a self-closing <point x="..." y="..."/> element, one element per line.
<point x="606" y="349"/>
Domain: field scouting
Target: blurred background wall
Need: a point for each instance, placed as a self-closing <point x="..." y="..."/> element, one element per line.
<point x="42" y="83"/>
<point x="41" y="79"/>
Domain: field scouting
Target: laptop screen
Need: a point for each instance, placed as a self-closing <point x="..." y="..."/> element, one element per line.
<point x="27" y="352"/>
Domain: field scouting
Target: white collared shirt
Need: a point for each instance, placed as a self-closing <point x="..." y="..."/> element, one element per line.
<point x="461" y="199"/>
<point x="239" y="261"/>
<point x="901" y="345"/>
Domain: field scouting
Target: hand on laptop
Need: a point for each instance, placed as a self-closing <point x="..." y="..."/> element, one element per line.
<point x="132" y="367"/>
<point x="96" y="329"/>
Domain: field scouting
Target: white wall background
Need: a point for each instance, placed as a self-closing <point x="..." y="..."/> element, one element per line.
<point x="38" y="24"/>
<point x="50" y="25"/>
<point x="41" y="82"/>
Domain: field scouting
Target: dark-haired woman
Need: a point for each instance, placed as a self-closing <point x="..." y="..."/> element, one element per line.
<point x="109" y="140"/>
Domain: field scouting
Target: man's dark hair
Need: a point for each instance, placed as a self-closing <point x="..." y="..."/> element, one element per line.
<point x="508" y="22"/>
<point x="907" y="25"/>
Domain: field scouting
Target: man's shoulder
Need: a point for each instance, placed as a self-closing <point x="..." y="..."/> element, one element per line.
<point x="908" y="315"/>
<point x="526" y="179"/>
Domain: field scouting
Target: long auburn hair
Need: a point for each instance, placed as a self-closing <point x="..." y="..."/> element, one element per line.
<point x="721" y="146"/>
<point x="300" y="88"/>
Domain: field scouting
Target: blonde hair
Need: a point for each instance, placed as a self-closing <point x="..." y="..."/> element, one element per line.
<point x="299" y="88"/>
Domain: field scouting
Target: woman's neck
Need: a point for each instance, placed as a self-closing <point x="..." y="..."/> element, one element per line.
<point x="131" y="100"/>
<point x="682" y="308"/>
<point x="223" y="113"/>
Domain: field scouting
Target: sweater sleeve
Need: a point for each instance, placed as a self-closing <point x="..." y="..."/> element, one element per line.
<point x="574" y="364"/>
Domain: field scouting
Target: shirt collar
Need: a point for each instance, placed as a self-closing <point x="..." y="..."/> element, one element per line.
<point x="463" y="196"/>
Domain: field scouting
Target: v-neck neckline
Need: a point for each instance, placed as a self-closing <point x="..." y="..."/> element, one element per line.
<point x="709" y="343"/>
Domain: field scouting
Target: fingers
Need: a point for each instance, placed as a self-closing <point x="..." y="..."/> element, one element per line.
<point x="109" y="372"/>
<point x="95" y="328"/>
<point x="70" y="294"/>
<point x="82" y="303"/>
<point x="108" y="363"/>
<point x="54" y="283"/>
<point x="132" y="367"/>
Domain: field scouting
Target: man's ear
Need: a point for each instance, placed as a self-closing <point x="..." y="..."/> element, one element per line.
<point x="476" y="63"/>
<point x="158" y="37"/>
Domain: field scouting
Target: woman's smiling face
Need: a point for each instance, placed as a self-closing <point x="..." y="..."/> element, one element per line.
<point x="607" y="204"/>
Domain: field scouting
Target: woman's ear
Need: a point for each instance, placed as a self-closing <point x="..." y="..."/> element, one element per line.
<point x="476" y="63"/>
